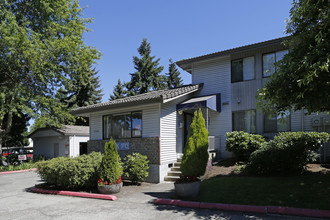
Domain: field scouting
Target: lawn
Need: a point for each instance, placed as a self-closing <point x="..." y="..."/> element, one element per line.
<point x="310" y="190"/>
<point x="23" y="166"/>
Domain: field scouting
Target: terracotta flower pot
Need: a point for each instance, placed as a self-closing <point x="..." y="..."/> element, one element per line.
<point x="110" y="189"/>
<point x="187" y="190"/>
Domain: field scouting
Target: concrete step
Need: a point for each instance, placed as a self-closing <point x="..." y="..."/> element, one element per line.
<point x="175" y="169"/>
<point x="179" y="159"/>
<point x="177" y="164"/>
<point x="171" y="178"/>
<point x="174" y="173"/>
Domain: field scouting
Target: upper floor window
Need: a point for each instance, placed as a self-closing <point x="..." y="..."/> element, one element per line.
<point x="277" y="123"/>
<point x="269" y="60"/>
<point x="242" y="69"/>
<point x="244" y="121"/>
<point x="124" y="125"/>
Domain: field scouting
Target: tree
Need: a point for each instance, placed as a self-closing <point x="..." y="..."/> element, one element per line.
<point x="42" y="49"/>
<point x="17" y="136"/>
<point x="302" y="80"/>
<point x="146" y="78"/>
<point x="173" y="76"/>
<point x="118" y="91"/>
<point x="195" y="154"/>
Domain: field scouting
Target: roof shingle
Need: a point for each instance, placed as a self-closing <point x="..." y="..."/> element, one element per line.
<point x="159" y="96"/>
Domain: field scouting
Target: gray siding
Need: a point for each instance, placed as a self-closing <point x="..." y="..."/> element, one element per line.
<point x="150" y="120"/>
<point x="215" y="74"/>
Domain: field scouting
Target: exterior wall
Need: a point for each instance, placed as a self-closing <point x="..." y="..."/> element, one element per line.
<point x="45" y="146"/>
<point x="150" y="120"/>
<point x="146" y="146"/>
<point x="75" y="144"/>
<point x="215" y="74"/>
<point x="170" y="133"/>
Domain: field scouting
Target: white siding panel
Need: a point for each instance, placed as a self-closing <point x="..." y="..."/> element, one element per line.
<point x="150" y="120"/>
<point x="171" y="135"/>
<point x="215" y="74"/>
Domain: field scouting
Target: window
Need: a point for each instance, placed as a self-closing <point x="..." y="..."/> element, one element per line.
<point x="242" y="69"/>
<point x="268" y="61"/>
<point x="245" y="121"/>
<point x="276" y="123"/>
<point x="125" y="125"/>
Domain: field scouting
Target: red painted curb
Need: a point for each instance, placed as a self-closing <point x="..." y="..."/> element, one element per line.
<point x="18" y="171"/>
<point x="76" y="194"/>
<point x="248" y="208"/>
<point x="299" y="211"/>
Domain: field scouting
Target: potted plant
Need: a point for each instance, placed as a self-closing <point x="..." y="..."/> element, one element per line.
<point x="194" y="160"/>
<point x="110" y="170"/>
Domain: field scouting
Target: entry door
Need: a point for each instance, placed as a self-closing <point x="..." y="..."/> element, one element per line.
<point x="56" y="150"/>
<point x="83" y="148"/>
<point x="187" y="122"/>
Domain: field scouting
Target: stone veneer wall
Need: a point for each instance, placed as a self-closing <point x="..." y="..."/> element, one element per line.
<point x="146" y="146"/>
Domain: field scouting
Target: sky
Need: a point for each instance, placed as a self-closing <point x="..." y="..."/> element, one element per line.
<point x="176" y="29"/>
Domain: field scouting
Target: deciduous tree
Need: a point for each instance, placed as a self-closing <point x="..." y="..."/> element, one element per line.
<point x="42" y="49"/>
<point x="302" y="80"/>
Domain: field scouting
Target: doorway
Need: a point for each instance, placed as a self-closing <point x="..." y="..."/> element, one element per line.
<point x="82" y="148"/>
<point x="56" y="150"/>
<point x="187" y="122"/>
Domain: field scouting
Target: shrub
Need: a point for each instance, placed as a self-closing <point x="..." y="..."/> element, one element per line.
<point x="289" y="152"/>
<point x="73" y="173"/>
<point x="136" y="167"/>
<point x="242" y="144"/>
<point x="195" y="154"/>
<point x="110" y="168"/>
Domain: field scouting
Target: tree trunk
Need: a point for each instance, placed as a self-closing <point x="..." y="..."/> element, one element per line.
<point x="7" y="128"/>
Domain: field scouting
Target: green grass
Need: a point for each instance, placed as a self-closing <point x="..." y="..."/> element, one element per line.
<point x="304" y="191"/>
<point x="22" y="166"/>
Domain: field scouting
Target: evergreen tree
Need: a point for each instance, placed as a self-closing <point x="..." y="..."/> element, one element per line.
<point x="195" y="154"/>
<point x="173" y="76"/>
<point x="118" y="91"/>
<point x="146" y="78"/>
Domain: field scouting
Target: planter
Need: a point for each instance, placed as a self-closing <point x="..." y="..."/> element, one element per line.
<point x="187" y="190"/>
<point x="110" y="189"/>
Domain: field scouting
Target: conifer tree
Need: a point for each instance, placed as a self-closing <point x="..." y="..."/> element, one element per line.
<point x="118" y="91"/>
<point x="173" y="76"/>
<point x="195" y="155"/>
<point x="146" y="78"/>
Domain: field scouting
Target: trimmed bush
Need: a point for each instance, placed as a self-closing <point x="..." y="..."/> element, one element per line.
<point x="195" y="154"/>
<point x="72" y="173"/>
<point x="136" y="167"/>
<point x="242" y="144"/>
<point x="289" y="152"/>
<point x="110" y="168"/>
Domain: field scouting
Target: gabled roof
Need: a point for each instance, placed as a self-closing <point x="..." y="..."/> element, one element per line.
<point x="186" y="63"/>
<point x="150" y="97"/>
<point x="66" y="130"/>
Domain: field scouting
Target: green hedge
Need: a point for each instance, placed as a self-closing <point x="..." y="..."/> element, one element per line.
<point x="73" y="173"/>
<point x="136" y="167"/>
<point x="242" y="144"/>
<point x="289" y="152"/>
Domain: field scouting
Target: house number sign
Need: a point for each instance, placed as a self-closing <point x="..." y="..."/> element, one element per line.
<point x="122" y="145"/>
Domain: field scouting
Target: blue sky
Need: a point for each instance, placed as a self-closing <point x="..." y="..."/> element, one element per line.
<point x="176" y="29"/>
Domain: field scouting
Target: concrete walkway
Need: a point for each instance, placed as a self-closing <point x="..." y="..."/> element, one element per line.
<point x="134" y="202"/>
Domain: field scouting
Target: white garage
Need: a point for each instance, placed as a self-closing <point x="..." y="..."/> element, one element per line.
<point x="70" y="140"/>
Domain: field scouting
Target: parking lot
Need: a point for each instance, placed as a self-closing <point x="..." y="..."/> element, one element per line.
<point x="133" y="203"/>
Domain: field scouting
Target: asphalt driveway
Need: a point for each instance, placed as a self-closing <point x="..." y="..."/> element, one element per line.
<point x="133" y="203"/>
